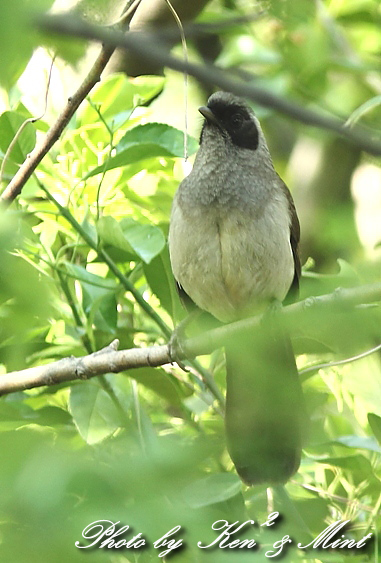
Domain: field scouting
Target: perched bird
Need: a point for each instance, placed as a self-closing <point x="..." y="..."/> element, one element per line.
<point x="233" y="241"/>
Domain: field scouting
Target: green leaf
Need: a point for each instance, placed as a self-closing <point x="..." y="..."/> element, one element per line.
<point x="94" y="413"/>
<point x="136" y="239"/>
<point x="16" y="414"/>
<point x="168" y="138"/>
<point x="98" y="298"/>
<point x="118" y="95"/>
<point x="375" y="424"/>
<point x="356" y="463"/>
<point x="362" y="377"/>
<point x="212" y="489"/>
<point x="160" y="382"/>
<point x="159" y="277"/>
<point x="362" y="442"/>
<point x="146" y="240"/>
<point x="10" y="123"/>
<point x="82" y="275"/>
<point x="17" y="37"/>
<point x="147" y="141"/>
<point x="293" y="12"/>
<point x="110" y="233"/>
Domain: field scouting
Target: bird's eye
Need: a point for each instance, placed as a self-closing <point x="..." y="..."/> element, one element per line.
<point x="236" y="120"/>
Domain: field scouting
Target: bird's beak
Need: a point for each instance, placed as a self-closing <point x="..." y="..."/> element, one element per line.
<point x="209" y="115"/>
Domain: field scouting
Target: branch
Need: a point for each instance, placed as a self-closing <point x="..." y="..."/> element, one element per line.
<point x="294" y="316"/>
<point x="25" y="171"/>
<point x="104" y="361"/>
<point x="152" y="14"/>
<point x="145" y="45"/>
<point x="30" y="164"/>
<point x="110" y="360"/>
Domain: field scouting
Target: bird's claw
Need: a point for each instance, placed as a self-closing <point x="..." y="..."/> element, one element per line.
<point x="176" y="351"/>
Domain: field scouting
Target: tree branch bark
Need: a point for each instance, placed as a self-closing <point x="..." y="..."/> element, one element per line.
<point x="110" y="360"/>
<point x="149" y="15"/>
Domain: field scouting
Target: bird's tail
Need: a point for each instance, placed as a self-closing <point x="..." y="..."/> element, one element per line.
<point x="265" y="413"/>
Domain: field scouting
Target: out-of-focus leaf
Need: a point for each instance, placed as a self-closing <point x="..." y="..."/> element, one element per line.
<point x="94" y="413"/>
<point x="293" y="12"/>
<point x="25" y="303"/>
<point x="362" y="379"/>
<point x="361" y="442"/>
<point x="18" y="36"/>
<point x="212" y="489"/>
<point x="375" y="424"/>
<point x="355" y="463"/>
<point x="16" y="414"/>
<point x="160" y="382"/>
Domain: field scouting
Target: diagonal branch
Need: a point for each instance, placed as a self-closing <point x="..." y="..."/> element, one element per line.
<point x="144" y="44"/>
<point x="110" y="360"/>
<point x="30" y="164"/>
<point x="25" y="171"/>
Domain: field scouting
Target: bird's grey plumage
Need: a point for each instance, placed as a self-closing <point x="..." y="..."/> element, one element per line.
<point x="234" y="231"/>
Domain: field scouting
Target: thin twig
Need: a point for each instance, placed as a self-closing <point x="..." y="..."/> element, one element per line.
<point x="207" y="378"/>
<point x="185" y="55"/>
<point x="25" y="123"/>
<point x="324" y="365"/>
<point x="126" y="283"/>
<point x="332" y="496"/>
<point x="128" y="13"/>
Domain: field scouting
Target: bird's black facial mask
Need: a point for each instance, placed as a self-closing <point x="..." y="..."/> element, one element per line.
<point x="235" y="120"/>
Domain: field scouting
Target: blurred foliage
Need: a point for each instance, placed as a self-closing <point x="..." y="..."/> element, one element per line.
<point x="83" y="260"/>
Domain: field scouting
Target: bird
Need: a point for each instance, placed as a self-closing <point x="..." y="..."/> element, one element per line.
<point x="234" y="249"/>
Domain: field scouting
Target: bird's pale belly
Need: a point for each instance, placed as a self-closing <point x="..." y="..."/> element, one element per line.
<point x="229" y="266"/>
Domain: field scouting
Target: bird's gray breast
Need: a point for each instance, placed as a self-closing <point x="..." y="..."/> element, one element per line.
<point x="232" y="257"/>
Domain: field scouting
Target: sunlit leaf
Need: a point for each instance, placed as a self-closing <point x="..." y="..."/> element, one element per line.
<point x="118" y="95"/>
<point x="147" y="141"/>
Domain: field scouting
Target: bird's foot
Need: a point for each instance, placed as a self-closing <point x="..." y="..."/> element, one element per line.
<point x="272" y="311"/>
<point x="175" y="346"/>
